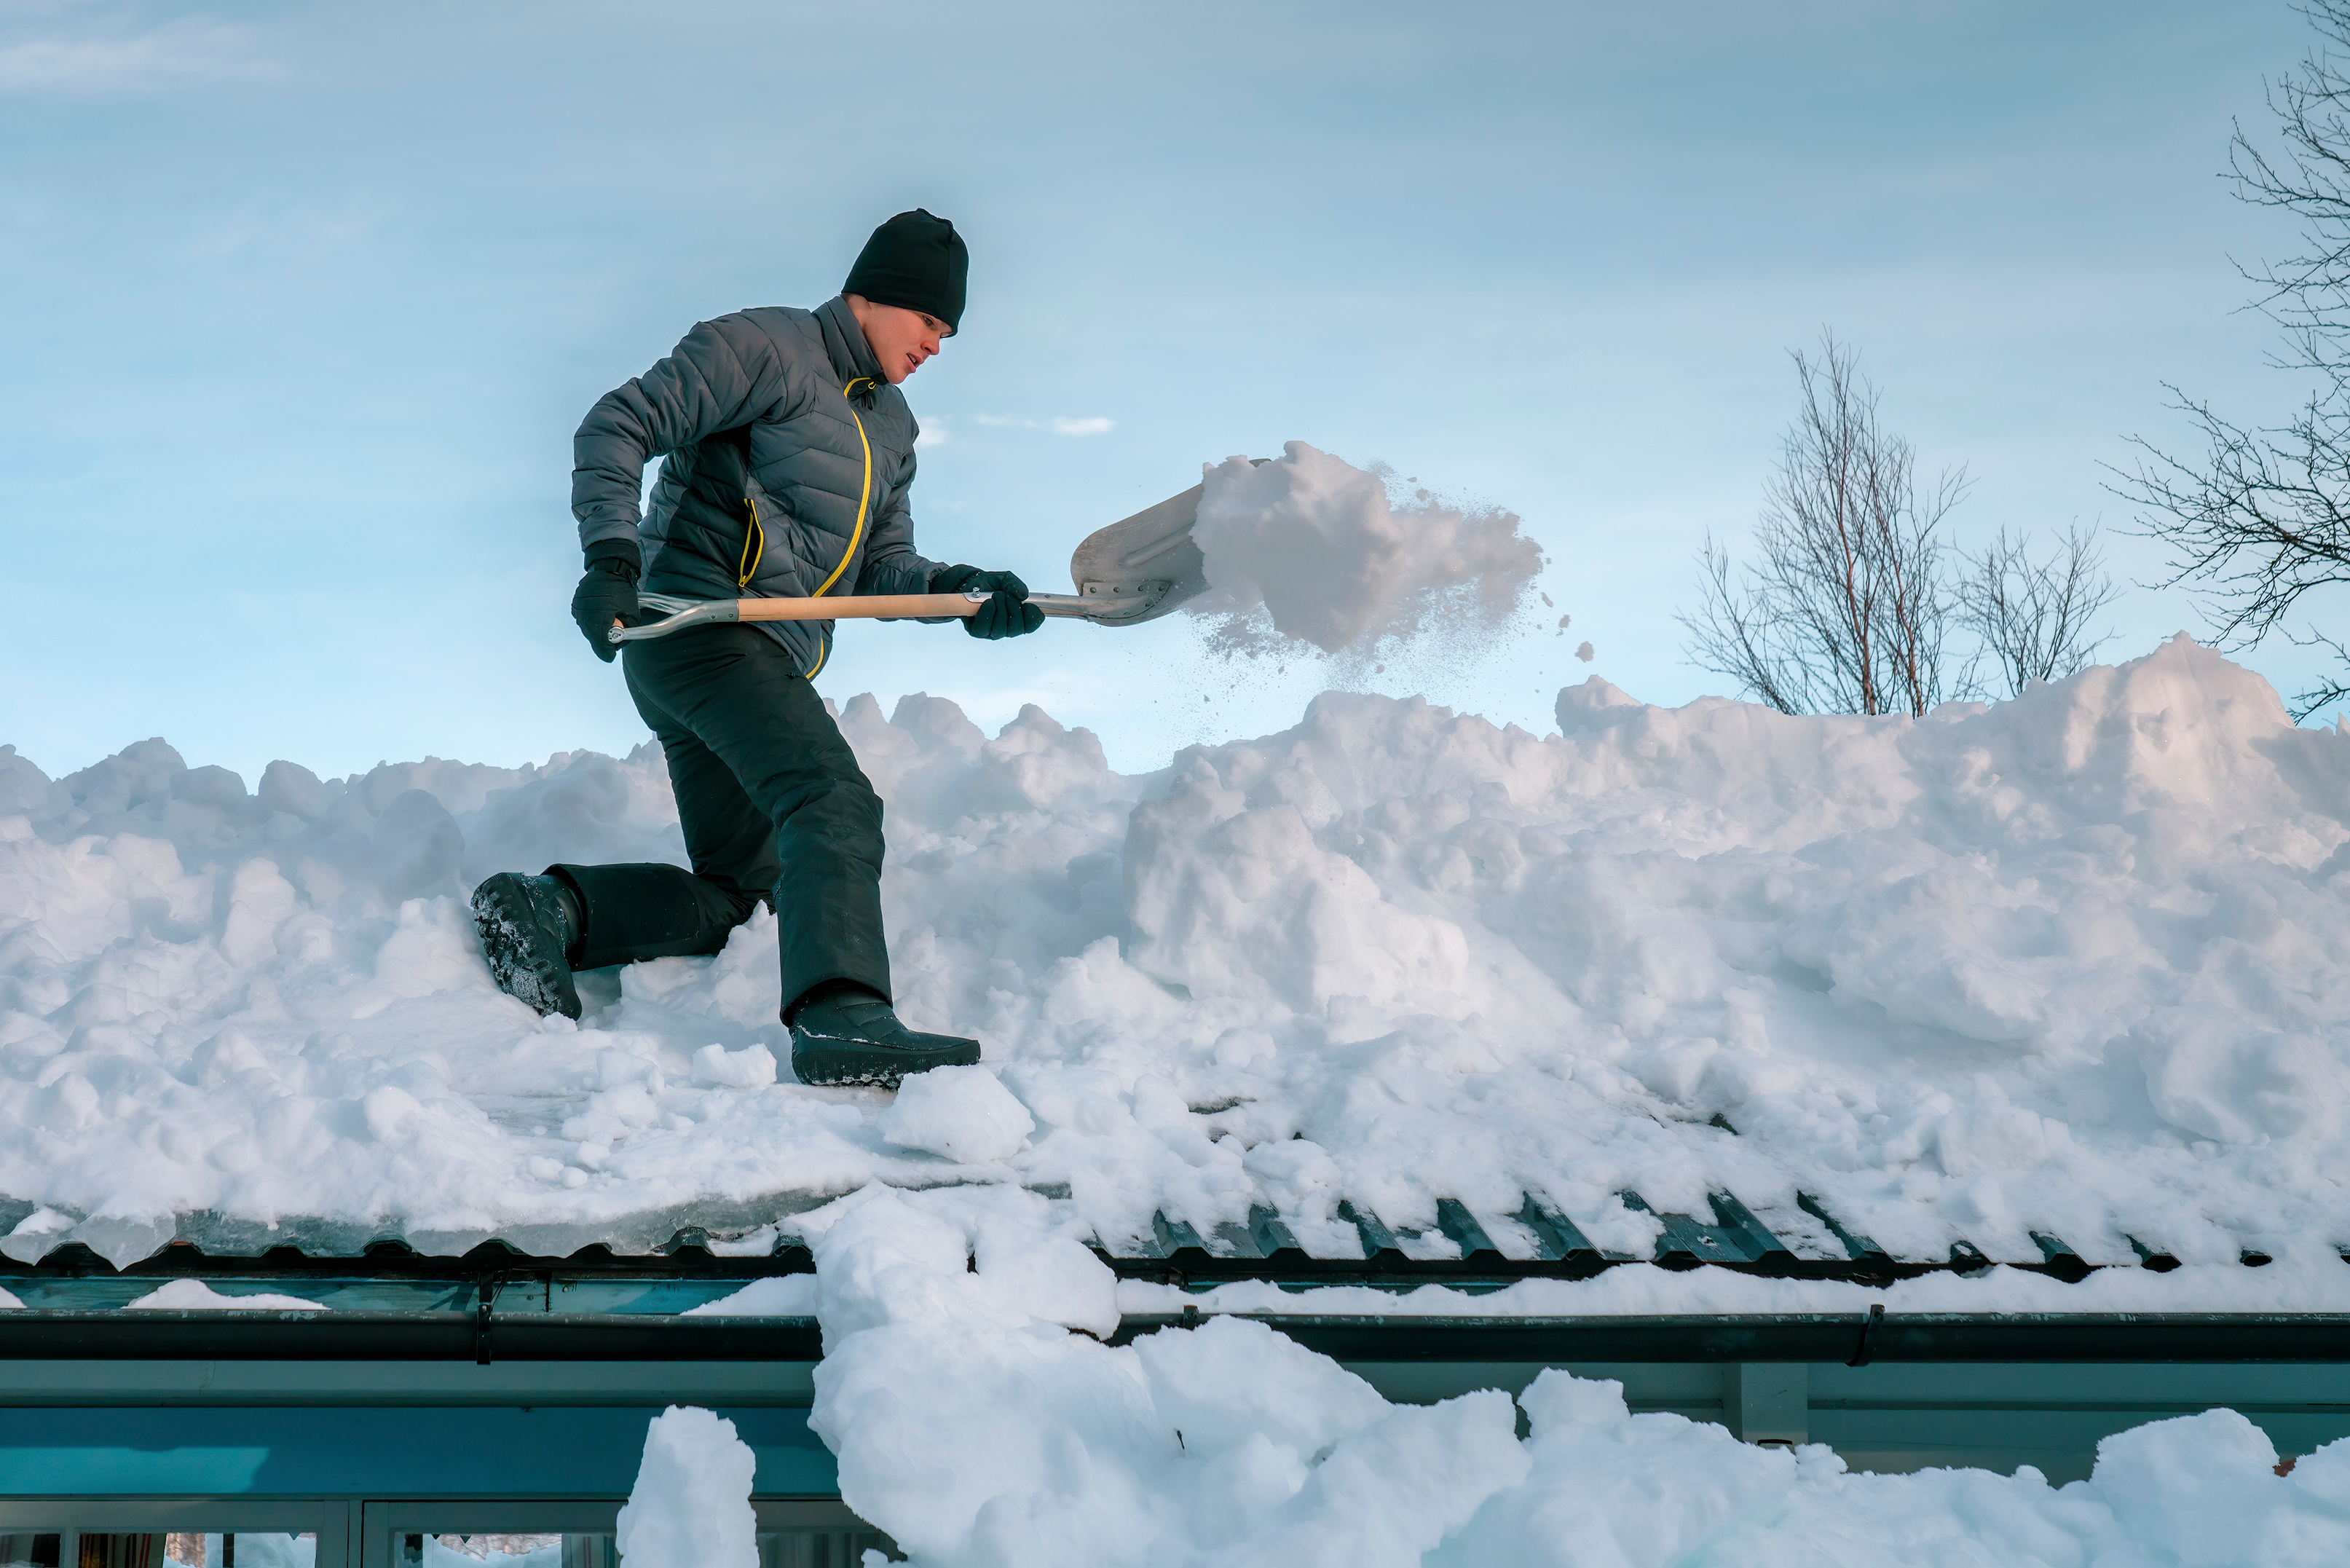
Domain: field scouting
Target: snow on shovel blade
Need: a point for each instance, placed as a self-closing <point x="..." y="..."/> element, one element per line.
<point x="1150" y="561"/>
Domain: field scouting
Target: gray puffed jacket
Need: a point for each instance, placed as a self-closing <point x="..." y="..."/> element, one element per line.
<point x="789" y="458"/>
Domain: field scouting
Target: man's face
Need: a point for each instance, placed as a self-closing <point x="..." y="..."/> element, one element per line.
<point x="900" y="338"/>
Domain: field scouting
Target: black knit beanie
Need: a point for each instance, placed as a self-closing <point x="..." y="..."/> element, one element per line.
<point x="915" y="262"/>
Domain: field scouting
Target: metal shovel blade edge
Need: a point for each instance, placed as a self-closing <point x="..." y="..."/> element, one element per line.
<point x="1150" y="559"/>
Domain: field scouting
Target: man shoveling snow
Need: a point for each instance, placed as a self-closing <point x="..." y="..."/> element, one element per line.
<point x="788" y="458"/>
<point x="790" y="455"/>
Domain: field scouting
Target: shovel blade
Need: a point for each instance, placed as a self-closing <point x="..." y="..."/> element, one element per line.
<point x="1148" y="561"/>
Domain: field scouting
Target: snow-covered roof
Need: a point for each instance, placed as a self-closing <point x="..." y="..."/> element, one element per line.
<point x="2061" y="977"/>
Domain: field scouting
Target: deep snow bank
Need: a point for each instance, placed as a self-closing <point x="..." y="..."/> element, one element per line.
<point x="2073" y="964"/>
<point x="975" y="1427"/>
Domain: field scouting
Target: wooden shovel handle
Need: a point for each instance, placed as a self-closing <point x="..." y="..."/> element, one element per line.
<point x="866" y="606"/>
<point x="1106" y="609"/>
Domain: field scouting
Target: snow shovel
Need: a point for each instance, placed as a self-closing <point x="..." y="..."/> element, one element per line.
<point x="1130" y="572"/>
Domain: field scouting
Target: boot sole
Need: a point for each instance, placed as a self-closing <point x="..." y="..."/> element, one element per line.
<point x="850" y="1063"/>
<point x="517" y="951"/>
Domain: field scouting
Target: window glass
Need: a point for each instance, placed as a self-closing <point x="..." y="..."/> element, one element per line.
<point x="95" y="1546"/>
<point x="247" y="1549"/>
<point x="777" y="1549"/>
<point x="817" y="1548"/>
<point x="490" y="1552"/>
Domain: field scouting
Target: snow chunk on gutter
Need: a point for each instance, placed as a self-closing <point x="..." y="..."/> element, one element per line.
<point x="195" y="1296"/>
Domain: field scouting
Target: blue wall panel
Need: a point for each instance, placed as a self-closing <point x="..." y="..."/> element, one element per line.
<point x="551" y="1451"/>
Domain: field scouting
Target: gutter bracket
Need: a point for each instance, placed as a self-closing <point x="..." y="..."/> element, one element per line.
<point x="1868" y="1327"/>
<point x="482" y="1323"/>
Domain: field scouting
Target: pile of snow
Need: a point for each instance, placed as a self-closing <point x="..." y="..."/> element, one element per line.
<point x="690" y="1507"/>
<point x="195" y="1296"/>
<point x="978" y="1429"/>
<point x="2070" y="964"/>
<point x="1317" y="546"/>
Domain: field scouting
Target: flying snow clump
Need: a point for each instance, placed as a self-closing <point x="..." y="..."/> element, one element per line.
<point x="1310" y="548"/>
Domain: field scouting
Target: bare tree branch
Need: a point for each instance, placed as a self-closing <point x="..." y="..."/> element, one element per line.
<point x="2263" y="517"/>
<point x="2308" y="294"/>
<point x="1847" y="610"/>
<point x="2032" y="617"/>
<point x="1733" y="636"/>
<point x="2328" y="691"/>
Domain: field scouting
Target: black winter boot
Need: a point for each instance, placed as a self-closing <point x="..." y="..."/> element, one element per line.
<point x="844" y="1034"/>
<point x="530" y="926"/>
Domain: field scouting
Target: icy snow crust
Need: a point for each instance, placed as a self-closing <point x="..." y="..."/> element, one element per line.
<point x="2073" y="964"/>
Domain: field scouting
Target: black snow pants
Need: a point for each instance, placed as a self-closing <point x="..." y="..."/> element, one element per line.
<point x="773" y="807"/>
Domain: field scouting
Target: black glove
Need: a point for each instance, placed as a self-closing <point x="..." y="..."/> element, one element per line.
<point x="1006" y="613"/>
<point x="607" y="593"/>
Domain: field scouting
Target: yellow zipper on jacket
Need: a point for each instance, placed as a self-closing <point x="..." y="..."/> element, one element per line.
<point x="754" y="546"/>
<point x="865" y="493"/>
<point x="864" y="504"/>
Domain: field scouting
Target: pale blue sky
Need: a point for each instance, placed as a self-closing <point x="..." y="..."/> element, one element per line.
<point x="299" y="305"/>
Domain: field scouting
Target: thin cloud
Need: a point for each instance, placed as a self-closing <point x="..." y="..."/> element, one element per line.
<point x="1060" y="424"/>
<point x="193" y="51"/>
<point x="295" y="236"/>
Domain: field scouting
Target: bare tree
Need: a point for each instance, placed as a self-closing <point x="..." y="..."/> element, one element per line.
<point x="1848" y="610"/>
<point x="2263" y="517"/>
<point x="2032" y="617"/>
